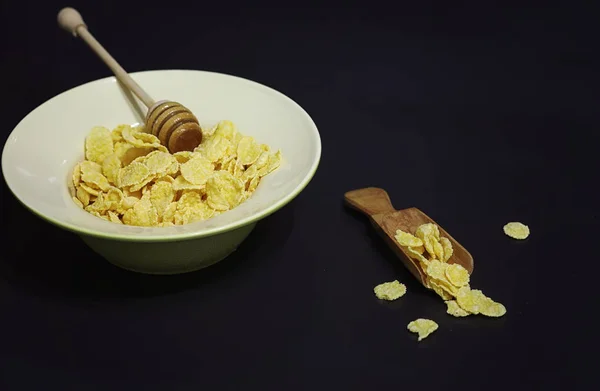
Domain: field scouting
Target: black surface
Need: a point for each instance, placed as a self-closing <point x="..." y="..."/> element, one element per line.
<point x="477" y="115"/>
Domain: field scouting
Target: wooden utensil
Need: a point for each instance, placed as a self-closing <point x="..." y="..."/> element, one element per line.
<point x="174" y="125"/>
<point x="376" y="204"/>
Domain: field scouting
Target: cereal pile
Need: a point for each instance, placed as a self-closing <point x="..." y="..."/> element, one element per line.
<point x="129" y="177"/>
<point x="450" y="281"/>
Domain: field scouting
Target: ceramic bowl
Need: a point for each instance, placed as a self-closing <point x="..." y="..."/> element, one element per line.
<point x="40" y="153"/>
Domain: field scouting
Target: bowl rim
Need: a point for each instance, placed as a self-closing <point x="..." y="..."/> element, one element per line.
<point x="141" y="237"/>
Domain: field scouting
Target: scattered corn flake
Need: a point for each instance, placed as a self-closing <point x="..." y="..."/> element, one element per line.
<point x="422" y="327"/>
<point x="455" y="310"/>
<point x="390" y="290"/>
<point x="516" y="230"/>
<point x="98" y="144"/>
<point x="492" y="308"/>
<point x="407" y="239"/>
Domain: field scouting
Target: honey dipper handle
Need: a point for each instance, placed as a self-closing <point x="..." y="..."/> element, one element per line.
<point x="70" y="20"/>
<point x="370" y="201"/>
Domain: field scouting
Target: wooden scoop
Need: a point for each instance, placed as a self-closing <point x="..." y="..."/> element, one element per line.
<point x="174" y="125"/>
<point x="376" y="204"/>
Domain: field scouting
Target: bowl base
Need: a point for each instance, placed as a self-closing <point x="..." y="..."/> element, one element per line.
<point x="169" y="257"/>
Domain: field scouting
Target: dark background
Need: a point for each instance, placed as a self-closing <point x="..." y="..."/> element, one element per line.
<point x="477" y="114"/>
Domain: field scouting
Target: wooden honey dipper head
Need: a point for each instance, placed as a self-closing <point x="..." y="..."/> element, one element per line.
<point x="174" y="125"/>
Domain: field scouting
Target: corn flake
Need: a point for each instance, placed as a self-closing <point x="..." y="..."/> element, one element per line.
<point x="439" y="289"/>
<point x="469" y="300"/>
<point x="455" y="310"/>
<point x="390" y="290"/>
<point x="224" y="191"/>
<point x="110" y="167"/>
<point x="215" y="148"/>
<point x="273" y="163"/>
<point x="142" y="214"/>
<point x="98" y="144"/>
<point x="183" y="156"/>
<point x="161" y="196"/>
<point x="83" y="196"/>
<point x="95" y="179"/>
<point x="248" y="150"/>
<point x="492" y="308"/>
<point x="180" y="183"/>
<point x="457" y="275"/>
<point x="422" y="327"/>
<point x="407" y="239"/>
<point x="197" y="170"/>
<point x="516" y="230"/>
<point x="76" y="177"/>
<point x="447" y="247"/>
<point x="133" y="174"/>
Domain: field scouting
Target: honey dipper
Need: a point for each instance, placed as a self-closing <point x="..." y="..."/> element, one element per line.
<point x="174" y="125"/>
<point x="376" y="204"/>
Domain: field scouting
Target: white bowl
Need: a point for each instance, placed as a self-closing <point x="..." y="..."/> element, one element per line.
<point x="40" y="153"/>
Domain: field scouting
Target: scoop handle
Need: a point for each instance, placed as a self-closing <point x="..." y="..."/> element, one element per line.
<point x="70" y="19"/>
<point x="370" y="201"/>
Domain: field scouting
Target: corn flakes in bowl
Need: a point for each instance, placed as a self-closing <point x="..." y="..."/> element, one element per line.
<point x="83" y="162"/>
